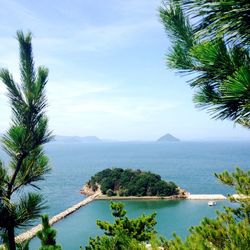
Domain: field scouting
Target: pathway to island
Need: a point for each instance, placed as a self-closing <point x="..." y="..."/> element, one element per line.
<point x="98" y="196"/>
<point x="33" y="231"/>
<point x="188" y="197"/>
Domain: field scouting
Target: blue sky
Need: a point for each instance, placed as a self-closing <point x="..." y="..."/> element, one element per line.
<point x="107" y="70"/>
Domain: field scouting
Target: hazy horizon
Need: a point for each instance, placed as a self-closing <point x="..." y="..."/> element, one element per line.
<point x="155" y="139"/>
<point x="108" y="75"/>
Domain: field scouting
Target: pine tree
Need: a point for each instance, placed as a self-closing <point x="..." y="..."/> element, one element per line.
<point x="229" y="19"/>
<point x="47" y="236"/>
<point x="124" y="233"/>
<point x="23" y="143"/>
<point x="210" y="40"/>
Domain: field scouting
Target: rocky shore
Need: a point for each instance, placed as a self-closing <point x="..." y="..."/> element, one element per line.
<point x="86" y="190"/>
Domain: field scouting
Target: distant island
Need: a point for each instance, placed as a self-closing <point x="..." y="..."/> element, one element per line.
<point x="168" y="138"/>
<point x="76" y="139"/>
<point x="118" y="182"/>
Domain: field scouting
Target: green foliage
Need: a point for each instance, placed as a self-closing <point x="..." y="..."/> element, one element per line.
<point x="23" y="143"/>
<point x="47" y="236"/>
<point x="23" y="245"/>
<point x="229" y="19"/>
<point x="28" y="208"/>
<point x="117" y="242"/>
<point x="124" y="233"/>
<point x="130" y="182"/>
<point x="210" y="39"/>
<point x="110" y="193"/>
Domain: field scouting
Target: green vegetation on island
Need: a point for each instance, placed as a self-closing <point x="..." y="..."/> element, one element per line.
<point x="128" y="182"/>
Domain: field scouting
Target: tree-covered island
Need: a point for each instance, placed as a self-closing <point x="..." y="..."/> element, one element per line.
<point x="129" y="182"/>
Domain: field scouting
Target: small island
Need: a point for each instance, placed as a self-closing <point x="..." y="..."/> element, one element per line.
<point x="128" y="183"/>
<point x="77" y="139"/>
<point x="168" y="138"/>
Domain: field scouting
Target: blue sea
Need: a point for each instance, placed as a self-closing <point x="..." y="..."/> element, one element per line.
<point x="191" y="165"/>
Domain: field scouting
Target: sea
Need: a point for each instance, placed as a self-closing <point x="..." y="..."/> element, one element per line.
<point x="191" y="165"/>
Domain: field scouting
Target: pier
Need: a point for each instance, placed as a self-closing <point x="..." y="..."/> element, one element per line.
<point x="33" y="231"/>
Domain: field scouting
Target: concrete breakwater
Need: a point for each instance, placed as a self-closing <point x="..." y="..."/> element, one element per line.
<point x="173" y="197"/>
<point x="206" y="197"/>
<point x="33" y="231"/>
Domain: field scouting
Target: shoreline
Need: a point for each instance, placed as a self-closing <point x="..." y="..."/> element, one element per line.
<point x="183" y="195"/>
<point x="204" y="197"/>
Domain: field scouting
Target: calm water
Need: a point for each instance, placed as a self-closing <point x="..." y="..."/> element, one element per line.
<point x="172" y="216"/>
<point x="190" y="165"/>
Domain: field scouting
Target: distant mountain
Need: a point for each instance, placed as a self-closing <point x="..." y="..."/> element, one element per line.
<point x="76" y="139"/>
<point x="168" y="138"/>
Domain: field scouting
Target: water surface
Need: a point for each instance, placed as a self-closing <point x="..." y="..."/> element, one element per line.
<point x="190" y="165"/>
<point x="172" y="216"/>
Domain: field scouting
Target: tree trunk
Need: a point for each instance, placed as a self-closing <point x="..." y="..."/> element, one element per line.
<point x="13" y="178"/>
<point x="11" y="238"/>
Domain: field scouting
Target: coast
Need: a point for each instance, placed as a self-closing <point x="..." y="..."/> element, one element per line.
<point x="183" y="195"/>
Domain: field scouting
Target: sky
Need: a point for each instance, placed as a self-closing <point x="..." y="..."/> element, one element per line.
<point x="107" y="71"/>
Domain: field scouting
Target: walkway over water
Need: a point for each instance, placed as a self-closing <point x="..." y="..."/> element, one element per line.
<point x="188" y="197"/>
<point x="33" y="231"/>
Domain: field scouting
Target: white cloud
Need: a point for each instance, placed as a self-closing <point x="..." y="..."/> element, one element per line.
<point x="8" y="52"/>
<point x="94" y="38"/>
<point x="120" y="107"/>
<point x="64" y="90"/>
<point x="2" y="89"/>
<point x="80" y="36"/>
